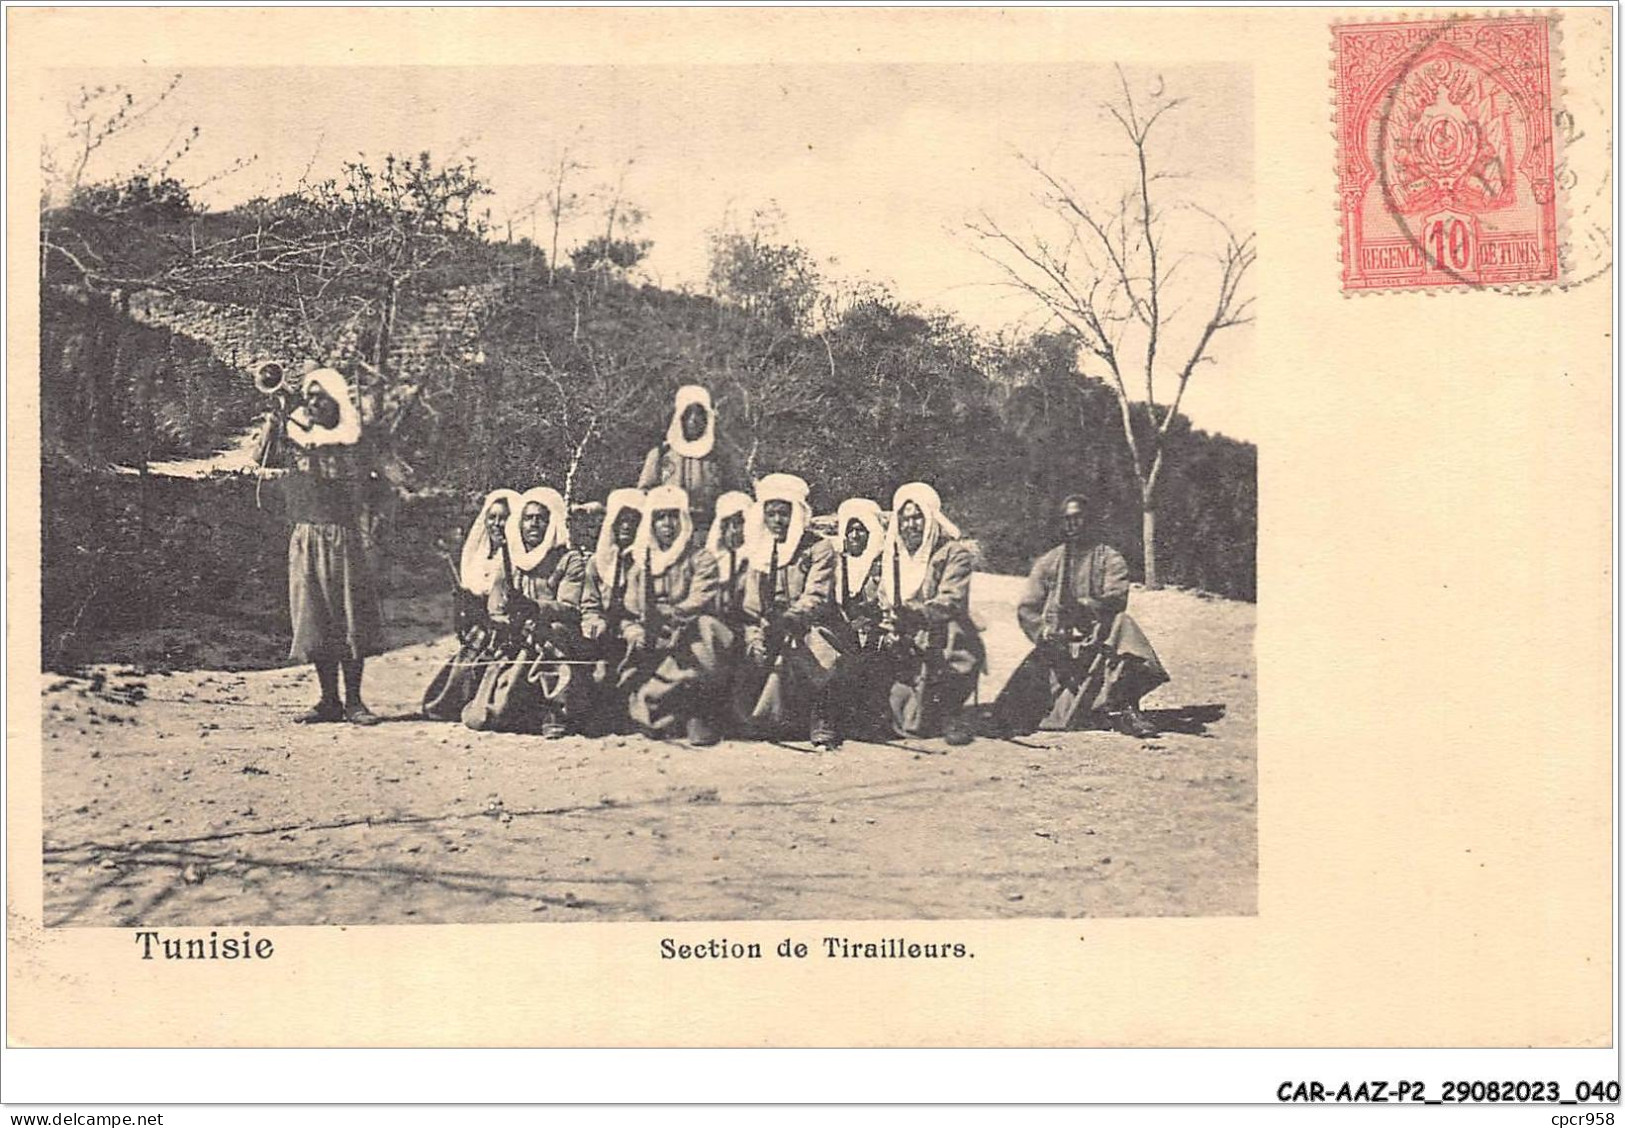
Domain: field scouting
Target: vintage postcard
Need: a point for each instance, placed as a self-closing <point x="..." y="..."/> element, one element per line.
<point x="1049" y="527"/>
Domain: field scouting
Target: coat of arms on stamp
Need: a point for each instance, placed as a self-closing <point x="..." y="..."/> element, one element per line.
<point x="1445" y="164"/>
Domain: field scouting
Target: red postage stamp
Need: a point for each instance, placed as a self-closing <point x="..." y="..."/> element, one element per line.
<point x="1444" y="132"/>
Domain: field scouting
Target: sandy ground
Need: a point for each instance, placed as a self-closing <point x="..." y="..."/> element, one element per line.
<point x="189" y="798"/>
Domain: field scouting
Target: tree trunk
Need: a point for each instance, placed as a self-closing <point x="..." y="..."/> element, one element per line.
<point x="576" y="456"/>
<point x="1148" y="537"/>
<point x="95" y="356"/>
<point x="386" y="334"/>
<point x="553" y="252"/>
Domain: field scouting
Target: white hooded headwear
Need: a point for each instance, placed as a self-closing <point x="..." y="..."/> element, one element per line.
<point x="656" y="500"/>
<point x="758" y="540"/>
<point x="687" y="396"/>
<point x="558" y="528"/>
<point x="867" y="513"/>
<point x="729" y="504"/>
<point x="348" y="429"/>
<point x="605" y="552"/>
<point x="480" y="564"/>
<point x="910" y="567"/>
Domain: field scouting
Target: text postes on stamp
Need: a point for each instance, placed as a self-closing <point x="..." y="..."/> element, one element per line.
<point x="1444" y="132"/>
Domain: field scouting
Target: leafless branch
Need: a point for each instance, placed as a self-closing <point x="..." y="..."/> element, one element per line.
<point x="1115" y="266"/>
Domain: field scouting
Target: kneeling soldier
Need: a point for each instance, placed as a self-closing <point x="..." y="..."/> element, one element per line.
<point x="785" y="605"/>
<point x="675" y="673"/>
<point x="1089" y="658"/>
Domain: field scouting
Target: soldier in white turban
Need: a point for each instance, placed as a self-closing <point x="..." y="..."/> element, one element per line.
<point x="787" y="607"/>
<point x="859" y="695"/>
<point x="859" y="537"/>
<point x="480" y="568"/>
<point x="541" y="688"/>
<point x="690" y="457"/>
<point x="925" y="600"/>
<point x="726" y="543"/>
<point x="606" y="582"/>
<point x="332" y="595"/>
<point x="676" y="669"/>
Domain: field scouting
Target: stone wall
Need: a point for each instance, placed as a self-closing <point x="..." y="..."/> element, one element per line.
<point x="433" y="332"/>
<point x="238" y="336"/>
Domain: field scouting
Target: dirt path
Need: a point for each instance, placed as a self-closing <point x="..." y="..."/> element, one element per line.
<point x="201" y="804"/>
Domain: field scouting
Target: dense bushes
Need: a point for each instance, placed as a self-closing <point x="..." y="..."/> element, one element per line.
<point x="116" y="392"/>
<point x="125" y="553"/>
<point x="565" y="377"/>
<point x="882" y="394"/>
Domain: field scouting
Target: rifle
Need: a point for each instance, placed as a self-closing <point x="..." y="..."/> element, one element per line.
<point x="892" y="638"/>
<point x="509" y="620"/>
<point x="896" y="577"/>
<point x="1068" y="635"/>
<point x="615" y="605"/>
<point x="646" y="618"/>
<point x="888" y="618"/>
<point x="843" y="596"/>
<point x="650" y="618"/>
<point x="772" y="609"/>
<point x="725" y="600"/>
<point x="468" y="613"/>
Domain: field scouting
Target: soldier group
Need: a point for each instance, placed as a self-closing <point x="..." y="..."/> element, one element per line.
<point x="702" y="612"/>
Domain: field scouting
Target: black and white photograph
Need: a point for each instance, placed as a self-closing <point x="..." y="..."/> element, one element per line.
<point x="647" y="493"/>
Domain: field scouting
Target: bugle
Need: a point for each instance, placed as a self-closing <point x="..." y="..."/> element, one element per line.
<point x="270" y="378"/>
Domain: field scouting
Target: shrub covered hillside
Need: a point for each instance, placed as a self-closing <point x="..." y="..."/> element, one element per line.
<point x="481" y="364"/>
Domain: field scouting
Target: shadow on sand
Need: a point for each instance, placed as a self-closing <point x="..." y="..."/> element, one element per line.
<point x="1187" y="720"/>
<point x="186" y="639"/>
<point x="1191" y="720"/>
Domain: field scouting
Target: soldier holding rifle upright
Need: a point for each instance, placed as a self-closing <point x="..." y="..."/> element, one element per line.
<point x="787" y="607"/>
<point x="675" y="674"/>
<point x="925" y="597"/>
<point x="1090" y="660"/>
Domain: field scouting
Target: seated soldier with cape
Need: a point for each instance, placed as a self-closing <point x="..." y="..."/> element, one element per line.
<point x="858" y="693"/>
<point x="790" y="653"/>
<point x="675" y="673"/>
<point x="937" y="652"/>
<point x="1089" y="658"/>
<point x="603" y="606"/>
<point x="546" y="686"/>
<point x="453" y="687"/>
<point x="726" y="542"/>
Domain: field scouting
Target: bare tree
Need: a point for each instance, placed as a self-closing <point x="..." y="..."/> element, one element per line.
<point x="597" y="390"/>
<point x="619" y="248"/>
<point x="1110" y="273"/>
<point x="342" y="258"/>
<point x="561" y="204"/>
<point x="399" y="224"/>
<point x="558" y="200"/>
<point x="769" y="387"/>
<point x="125" y="233"/>
<point x="97" y="115"/>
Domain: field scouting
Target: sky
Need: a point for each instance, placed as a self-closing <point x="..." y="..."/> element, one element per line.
<point x="874" y="168"/>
